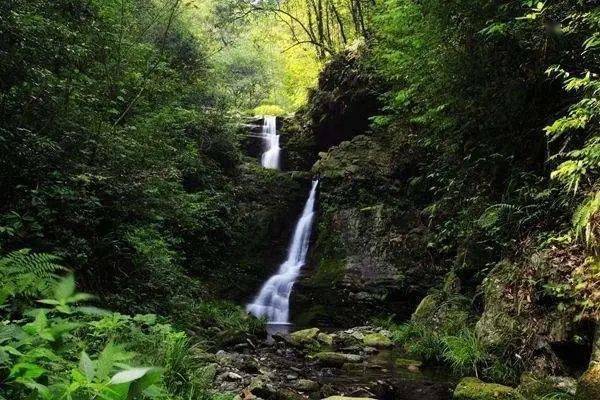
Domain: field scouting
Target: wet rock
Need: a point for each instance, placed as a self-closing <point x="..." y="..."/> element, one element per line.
<point x="249" y="364"/>
<point x="411" y="365"/>
<point x="348" y="398"/>
<point x="426" y="307"/>
<point x="326" y="391"/>
<point x="532" y="386"/>
<point x="261" y="387"/>
<point x="287" y="394"/>
<point x="370" y="350"/>
<point x="303" y="337"/>
<point x="352" y="349"/>
<point x="329" y="358"/>
<point x="325" y="338"/>
<point x="306" y="385"/>
<point x="353" y="367"/>
<point x="588" y="386"/>
<point x="475" y="389"/>
<point x="377" y="340"/>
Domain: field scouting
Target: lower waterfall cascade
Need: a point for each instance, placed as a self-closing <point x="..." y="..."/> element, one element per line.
<point x="273" y="298"/>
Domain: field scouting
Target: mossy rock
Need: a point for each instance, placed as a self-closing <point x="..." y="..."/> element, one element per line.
<point x="377" y="340"/>
<point x="329" y="272"/>
<point x="588" y="386"/>
<point x="475" y="389"/>
<point x="325" y="339"/>
<point x="304" y="336"/>
<point x="532" y="386"/>
<point x="330" y="358"/>
<point x="426" y="308"/>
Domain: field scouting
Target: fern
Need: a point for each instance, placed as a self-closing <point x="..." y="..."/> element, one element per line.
<point x="27" y="274"/>
<point x="585" y="219"/>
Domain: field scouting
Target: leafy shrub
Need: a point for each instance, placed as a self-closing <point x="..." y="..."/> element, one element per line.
<point x="65" y="349"/>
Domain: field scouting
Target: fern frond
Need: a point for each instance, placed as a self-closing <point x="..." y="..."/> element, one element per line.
<point x="586" y="220"/>
<point x="28" y="274"/>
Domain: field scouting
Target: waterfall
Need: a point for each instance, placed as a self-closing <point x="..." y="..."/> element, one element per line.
<point x="273" y="300"/>
<point x="270" y="158"/>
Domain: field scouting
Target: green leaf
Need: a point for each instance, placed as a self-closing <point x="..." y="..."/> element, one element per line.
<point x="65" y="288"/>
<point x="26" y="371"/>
<point x="129" y="375"/>
<point x="77" y="297"/>
<point x="87" y="366"/>
<point x="145" y="382"/>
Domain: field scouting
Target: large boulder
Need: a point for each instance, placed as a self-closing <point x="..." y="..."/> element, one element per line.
<point x="377" y="340"/>
<point x="370" y="256"/>
<point x="475" y="389"/>
<point x="304" y="336"/>
<point x="545" y="337"/>
<point x="533" y="386"/>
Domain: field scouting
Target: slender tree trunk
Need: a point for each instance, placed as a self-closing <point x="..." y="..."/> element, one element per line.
<point x="340" y="23"/>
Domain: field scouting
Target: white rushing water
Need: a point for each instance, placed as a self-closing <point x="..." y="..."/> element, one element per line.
<point x="273" y="300"/>
<point x="270" y="158"/>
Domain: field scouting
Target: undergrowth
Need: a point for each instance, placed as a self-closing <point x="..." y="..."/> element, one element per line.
<point x="59" y="347"/>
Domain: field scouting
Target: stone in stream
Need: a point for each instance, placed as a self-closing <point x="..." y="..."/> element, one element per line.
<point x="475" y="389"/>
<point x="329" y="358"/>
<point x="325" y="338"/>
<point x="411" y="365"/>
<point x="306" y="385"/>
<point x="377" y="340"/>
<point x="304" y="336"/>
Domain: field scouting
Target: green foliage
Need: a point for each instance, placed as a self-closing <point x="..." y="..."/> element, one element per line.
<point x="26" y="274"/>
<point x="77" y="352"/>
<point x="464" y="352"/>
<point x="122" y="155"/>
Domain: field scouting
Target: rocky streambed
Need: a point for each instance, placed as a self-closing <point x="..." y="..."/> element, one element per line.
<point x="312" y="364"/>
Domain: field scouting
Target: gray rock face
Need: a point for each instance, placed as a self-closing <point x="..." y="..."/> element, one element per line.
<point x="370" y="247"/>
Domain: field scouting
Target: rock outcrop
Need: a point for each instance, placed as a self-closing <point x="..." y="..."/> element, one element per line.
<point x="370" y="255"/>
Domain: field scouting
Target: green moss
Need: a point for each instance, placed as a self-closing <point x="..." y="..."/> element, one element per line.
<point x="588" y="387"/>
<point x="475" y="389"/>
<point x="426" y="308"/>
<point x="329" y="272"/>
<point x="377" y="340"/>
<point x="546" y="387"/>
<point x="304" y="336"/>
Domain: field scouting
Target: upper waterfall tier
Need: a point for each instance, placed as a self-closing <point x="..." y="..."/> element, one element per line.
<point x="270" y="158"/>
